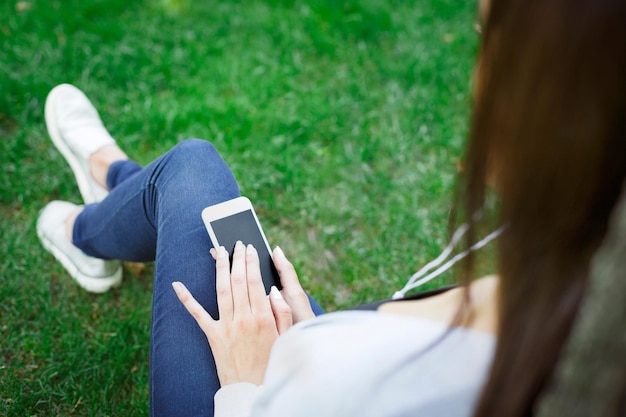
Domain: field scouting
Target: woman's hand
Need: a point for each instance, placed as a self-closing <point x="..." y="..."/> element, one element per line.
<point x="292" y="291"/>
<point x="249" y="324"/>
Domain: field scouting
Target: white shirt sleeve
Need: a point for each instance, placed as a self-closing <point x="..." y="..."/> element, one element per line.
<point x="369" y="364"/>
<point x="235" y="400"/>
<point x="366" y="364"/>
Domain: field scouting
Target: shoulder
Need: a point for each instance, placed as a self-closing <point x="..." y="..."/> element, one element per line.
<point x="481" y="313"/>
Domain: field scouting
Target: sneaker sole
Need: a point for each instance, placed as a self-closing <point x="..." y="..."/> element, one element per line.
<point x="89" y="284"/>
<point x="82" y="179"/>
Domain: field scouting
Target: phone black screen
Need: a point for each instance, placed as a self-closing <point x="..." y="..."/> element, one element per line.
<point x="242" y="226"/>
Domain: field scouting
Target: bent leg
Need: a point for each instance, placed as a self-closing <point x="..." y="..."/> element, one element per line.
<point x="182" y="370"/>
<point x="155" y="214"/>
<point x="144" y="202"/>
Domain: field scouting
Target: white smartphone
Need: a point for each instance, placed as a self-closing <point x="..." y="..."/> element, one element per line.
<point x="235" y="220"/>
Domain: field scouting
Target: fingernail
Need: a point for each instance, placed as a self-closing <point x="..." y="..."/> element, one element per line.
<point x="239" y="245"/>
<point x="178" y="287"/>
<point x="250" y="249"/>
<point x="280" y="252"/>
<point x="221" y="252"/>
<point x="275" y="293"/>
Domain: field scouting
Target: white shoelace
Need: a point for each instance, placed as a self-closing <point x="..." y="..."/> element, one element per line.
<point x="419" y="279"/>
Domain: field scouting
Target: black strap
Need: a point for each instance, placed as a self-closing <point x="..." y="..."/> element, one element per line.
<point x="418" y="296"/>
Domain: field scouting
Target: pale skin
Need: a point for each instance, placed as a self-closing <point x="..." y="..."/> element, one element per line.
<point x="250" y="322"/>
<point x="99" y="163"/>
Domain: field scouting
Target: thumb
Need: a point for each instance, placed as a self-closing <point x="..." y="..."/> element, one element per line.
<point x="292" y="290"/>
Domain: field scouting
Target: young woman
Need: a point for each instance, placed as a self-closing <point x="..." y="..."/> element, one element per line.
<point x="549" y="135"/>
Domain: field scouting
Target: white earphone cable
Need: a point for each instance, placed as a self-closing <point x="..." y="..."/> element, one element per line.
<point x="419" y="279"/>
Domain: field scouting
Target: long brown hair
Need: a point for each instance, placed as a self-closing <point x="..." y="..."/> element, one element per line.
<point x="549" y="130"/>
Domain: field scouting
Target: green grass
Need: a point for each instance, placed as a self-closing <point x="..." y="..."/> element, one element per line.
<point x="343" y="121"/>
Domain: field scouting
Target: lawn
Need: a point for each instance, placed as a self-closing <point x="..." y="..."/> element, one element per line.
<point x="344" y="122"/>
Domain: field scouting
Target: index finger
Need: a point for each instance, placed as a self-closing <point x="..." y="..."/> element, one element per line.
<point x="202" y="317"/>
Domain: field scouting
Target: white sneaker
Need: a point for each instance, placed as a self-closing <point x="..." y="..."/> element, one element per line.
<point x="93" y="274"/>
<point x="77" y="131"/>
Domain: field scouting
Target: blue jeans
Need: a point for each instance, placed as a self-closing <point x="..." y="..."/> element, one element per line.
<point x="153" y="214"/>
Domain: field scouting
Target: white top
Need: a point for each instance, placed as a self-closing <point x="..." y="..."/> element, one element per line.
<point x="367" y="364"/>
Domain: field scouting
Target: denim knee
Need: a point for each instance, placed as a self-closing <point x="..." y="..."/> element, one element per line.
<point x="194" y="170"/>
<point x="192" y="149"/>
<point x="197" y="158"/>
